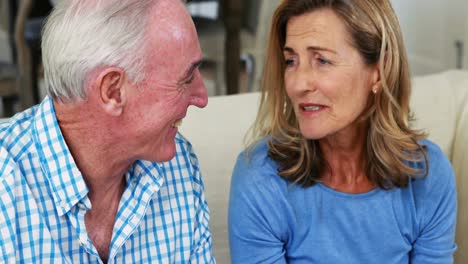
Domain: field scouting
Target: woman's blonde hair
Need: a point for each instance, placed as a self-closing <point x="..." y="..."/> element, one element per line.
<point x="391" y="143"/>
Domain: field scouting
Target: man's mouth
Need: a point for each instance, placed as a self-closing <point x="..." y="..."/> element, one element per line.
<point x="177" y="123"/>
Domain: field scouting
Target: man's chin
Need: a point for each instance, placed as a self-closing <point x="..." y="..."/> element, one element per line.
<point x="163" y="155"/>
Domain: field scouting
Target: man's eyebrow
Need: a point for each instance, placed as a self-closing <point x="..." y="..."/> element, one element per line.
<point x="188" y="73"/>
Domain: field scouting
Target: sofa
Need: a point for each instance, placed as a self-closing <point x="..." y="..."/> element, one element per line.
<point x="440" y="106"/>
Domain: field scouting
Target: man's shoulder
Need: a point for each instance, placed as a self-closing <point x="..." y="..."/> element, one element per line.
<point x="10" y="182"/>
<point x="7" y="166"/>
<point x="16" y="136"/>
<point x="19" y="122"/>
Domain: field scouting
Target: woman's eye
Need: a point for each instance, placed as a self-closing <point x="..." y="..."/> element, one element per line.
<point x="323" y="61"/>
<point x="289" y="62"/>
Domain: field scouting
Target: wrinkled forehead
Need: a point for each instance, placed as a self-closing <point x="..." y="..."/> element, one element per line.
<point x="171" y="35"/>
<point x="321" y="23"/>
<point x="172" y="11"/>
<point x="171" y="24"/>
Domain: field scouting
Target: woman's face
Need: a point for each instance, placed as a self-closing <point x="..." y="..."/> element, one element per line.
<point x="325" y="76"/>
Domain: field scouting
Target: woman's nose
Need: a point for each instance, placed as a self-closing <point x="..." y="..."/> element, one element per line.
<point x="301" y="80"/>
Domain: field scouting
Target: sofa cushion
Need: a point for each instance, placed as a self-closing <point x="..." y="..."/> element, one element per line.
<point x="217" y="134"/>
<point x="434" y="106"/>
<point x="460" y="163"/>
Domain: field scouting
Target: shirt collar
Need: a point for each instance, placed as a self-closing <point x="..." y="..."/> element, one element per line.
<point x="64" y="177"/>
<point x="148" y="173"/>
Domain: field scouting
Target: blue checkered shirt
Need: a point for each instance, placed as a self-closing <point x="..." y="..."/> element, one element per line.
<point x="162" y="217"/>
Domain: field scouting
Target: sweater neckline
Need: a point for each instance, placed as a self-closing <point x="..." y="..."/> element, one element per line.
<point x="370" y="193"/>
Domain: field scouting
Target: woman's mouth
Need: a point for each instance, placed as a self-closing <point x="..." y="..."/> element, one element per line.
<point x="311" y="107"/>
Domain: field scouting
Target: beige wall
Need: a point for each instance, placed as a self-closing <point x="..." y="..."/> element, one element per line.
<point x="430" y="29"/>
<point x="4" y="46"/>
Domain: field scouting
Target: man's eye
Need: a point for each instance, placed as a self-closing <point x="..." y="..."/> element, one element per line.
<point x="190" y="80"/>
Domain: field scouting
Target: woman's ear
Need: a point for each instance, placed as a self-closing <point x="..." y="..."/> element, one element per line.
<point x="376" y="83"/>
<point x="112" y="86"/>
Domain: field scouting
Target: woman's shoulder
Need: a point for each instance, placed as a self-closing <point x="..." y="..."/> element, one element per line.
<point x="256" y="155"/>
<point x="438" y="162"/>
<point x="432" y="149"/>
<point x="440" y="176"/>
<point x="254" y="165"/>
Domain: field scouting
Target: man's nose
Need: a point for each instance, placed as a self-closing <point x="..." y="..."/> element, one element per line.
<point x="199" y="97"/>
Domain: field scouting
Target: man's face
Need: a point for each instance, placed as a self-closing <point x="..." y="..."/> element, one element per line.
<point x="173" y="82"/>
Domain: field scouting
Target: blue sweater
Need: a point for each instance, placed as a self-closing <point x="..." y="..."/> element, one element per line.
<point x="273" y="221"/>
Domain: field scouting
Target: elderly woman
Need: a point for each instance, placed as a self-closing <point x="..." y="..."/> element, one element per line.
<point x="335" y="174"/>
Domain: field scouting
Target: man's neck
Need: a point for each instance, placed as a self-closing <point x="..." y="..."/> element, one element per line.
<point x="102" y="159"/>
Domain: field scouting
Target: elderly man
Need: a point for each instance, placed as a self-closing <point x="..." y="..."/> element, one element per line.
<point x="97" y="172"/>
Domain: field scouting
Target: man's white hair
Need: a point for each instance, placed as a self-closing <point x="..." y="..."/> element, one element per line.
<point x="83" y="35"/>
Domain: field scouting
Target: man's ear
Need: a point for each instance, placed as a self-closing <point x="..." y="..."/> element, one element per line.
<point x="112" y="86"/>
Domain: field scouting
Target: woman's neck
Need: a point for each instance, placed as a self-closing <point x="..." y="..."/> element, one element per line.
<point x="345" y="154"/>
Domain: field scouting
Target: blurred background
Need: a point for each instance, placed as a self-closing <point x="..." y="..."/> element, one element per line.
<point x="233" y="35"/>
